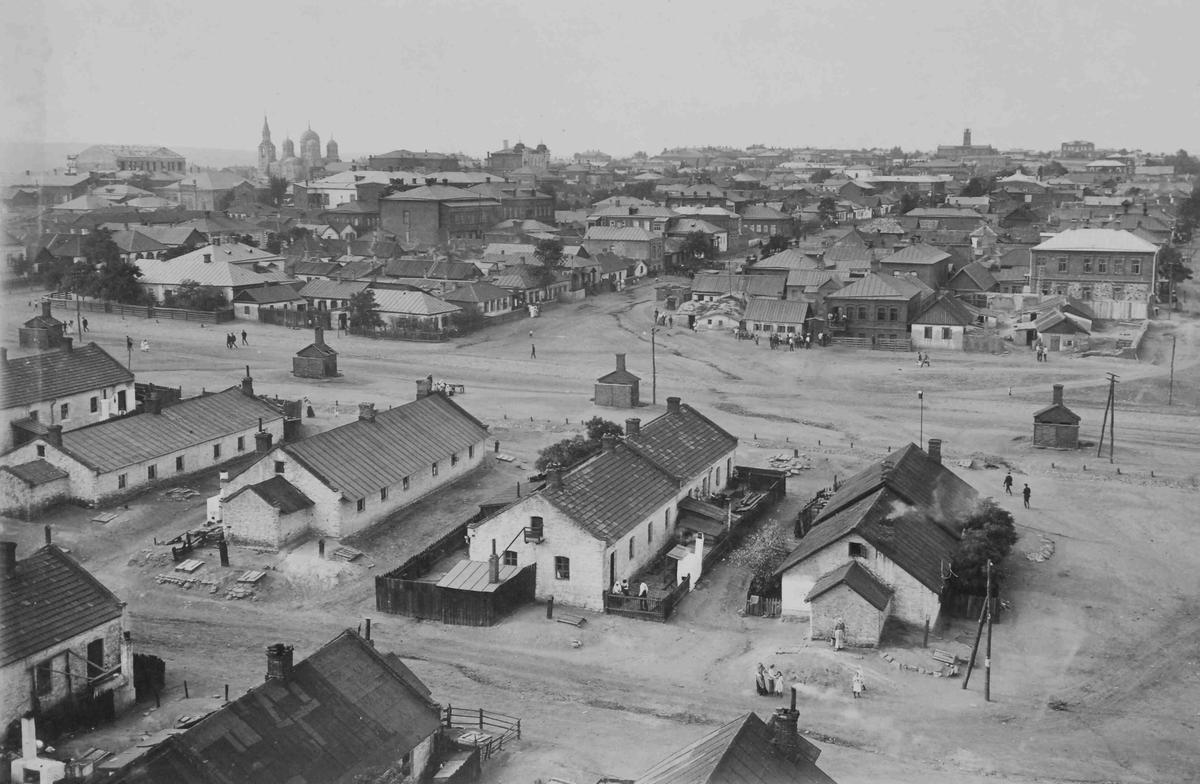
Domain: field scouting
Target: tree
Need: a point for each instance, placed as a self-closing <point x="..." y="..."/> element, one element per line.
<point x="908" y="202"/>
<point x="1171" y="266"/>
<point x="572" y="451"/>
<point x="988" y="535"/>
<point x="694" y="250"/>
<point x="774" y="244"/>
<point x="277" y="187"/>
<point x="192" y="295"/>
<point x="977" y="186"/>
<point x="820" y="175"/>
<point x="1188" y="217"/>
<point x="274" y="245"/>
<point x="1183" y="163"/>
<point x="246" y="239"/>
<point x="827" y="211"/>
<point x="549" y="252"/>
<point x="597" y="428"/>
<point x="641" y="190"/>
<point x="1052" y="169"/>
<point x="363" y="311"/>
<point x="119" y="281"/>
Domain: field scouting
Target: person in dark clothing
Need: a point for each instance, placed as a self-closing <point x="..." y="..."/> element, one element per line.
<point x="1025" y="493"/>
<point x="1008" y="482"/>
<point x="245" y="342"/>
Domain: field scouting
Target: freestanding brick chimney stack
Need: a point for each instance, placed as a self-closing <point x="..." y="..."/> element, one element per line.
<point x="279" y="662"/>
<point x="1057" y="397"/>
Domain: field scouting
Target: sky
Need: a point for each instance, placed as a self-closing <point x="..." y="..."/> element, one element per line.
<point x="619" y="76"/>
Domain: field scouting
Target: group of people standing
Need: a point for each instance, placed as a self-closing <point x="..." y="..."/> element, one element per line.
<point x="1026" y="493"/>
<point x="1043" y="354"/>
<point x="768" y="681"/>
<point x="621" y="588"/>
<point x="231" y="340"/>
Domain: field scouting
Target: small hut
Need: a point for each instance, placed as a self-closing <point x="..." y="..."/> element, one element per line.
<point x="316" y="360"/>
<point x="618" y="389"/>
<point x="1056" y="426"/>
<point x="852" y="596"/>
<point x="42" y="331"/>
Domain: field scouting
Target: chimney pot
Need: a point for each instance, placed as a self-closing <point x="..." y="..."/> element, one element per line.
<point x="935" y="449"/>
<point x="366" y="412"/>
<point x="608" y="442"/>
<point x="248" y="384"/>
<point x="424" y="387"/>
<point x="262" y="441"/>
<point x="68" y="343"/>
<point x="54" y="437"/>
<point x="154" y="403"/>
<point x="46" y="308"/>
<point x="633" y="427"/>
<point x="673" y="405"/>
<point x="1058" y="394"/>
<point x="8" y="560"/>
<point x="279" y="661"/>
<point x="620" y="361"/>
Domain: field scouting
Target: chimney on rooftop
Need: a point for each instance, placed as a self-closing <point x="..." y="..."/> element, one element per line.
<point x="935" y="450"/>
<point x="608" y="442"/>
<point x="46" y="308"/>
<point x="208" y="258"/>
<point x="319" y="335"/>
<point x="68" y="343"/>
<point x="672" y="405"/>
<point x="153" y="403"/>
<point x="424" y="387"/>
<point x="620" y="361"/>
<point x="785" y="734"/>
<point x="366" y="412"/>
<point x="8" y="560"/>
<point x="1057" y="396"/>
<point x="493" y="566"/>
<point x="262" y="440"/>
<point x="554" y="477"/>
<point x="54" y="436"/>
<point x="248" y="384"/>
<point x="279" y="662"/>
<point x="633" y="427"/>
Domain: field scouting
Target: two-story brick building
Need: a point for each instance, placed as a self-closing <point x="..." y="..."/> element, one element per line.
<point x="438" y="214"/>
<point x="1113" y="271"/>
<point x="606" y="518"/>
<point x="876" y="307"/>
<point x="933" y="266"/>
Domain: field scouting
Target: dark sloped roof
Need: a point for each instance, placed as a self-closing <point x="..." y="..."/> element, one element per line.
<point x="1056" y="414"/>
<point x="359" y="458"/>
<point x="918" y="253"/>
<point x="264" y="295"/>
<point x="116" y="443"/>
<point x="51" y="599"/>
<point x="858" y="579"/>
<point x="279" y="493"/>
<point x="873" y="286"/>
<point x="480" y="291"/>
<point x="618" y="377"/>
<point x="35" y="472"/>
<point x="683" y="442"/>
<point x="972" y="277"/>
<point x="612" y="492"/>
<point x="946" y="310"/>
<point x="317" y="351"/>
<point x="741" y="752"/>
<point x="342" y="710"/>
<point x="775" y="311"/>
<point x="59" y="374"/>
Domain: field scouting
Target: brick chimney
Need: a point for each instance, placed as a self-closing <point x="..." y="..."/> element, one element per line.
<point x="785" y="734"/>
<point x="8" y="560"/>
<point x="554" y="477"/>
<point x="54" y="437"/>
<point x="366" y="412"/>
<point x="620" y="361"/>
<point x="46" y="309"/>
<point x="424" y="387"/>
<point x="262" y="441"/>
<point x="493" y="565"/>
<point x="279" y="662"/>
<point x="319" y="335"/>
<point x="608" y="442"/>
<point x="248" y="384"/>
<point x="633" y="427"/>
<point x="935" y="450"/>
<point x="68" y="343"/>
<point x="154" y="403"/>
<point x="1056" y="398"/>
<point x="672" y="405"/>
<point x="4" y="354"/>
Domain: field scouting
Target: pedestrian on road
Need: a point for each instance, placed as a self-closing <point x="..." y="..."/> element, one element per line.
<point x="760" y="680"/>
<point x="1008" y="480"/>
<point x="244" y="341"/>
<point x="776" y="679"/>
<point x="532" y="351"/>
<point x="644" y="596"/>
<point x="857" y="684"/>
<point x="128" y="343"/>
<point x="1025" y="493"/>
<point x="839" y="634"/>
<point x="84" y="323"/>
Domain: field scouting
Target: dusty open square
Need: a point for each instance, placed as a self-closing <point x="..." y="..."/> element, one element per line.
<point x="1106" y="629"/>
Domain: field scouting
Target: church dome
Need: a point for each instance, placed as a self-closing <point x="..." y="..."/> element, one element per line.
<point x="289" y="148"/>
<point x="309" y="135"/>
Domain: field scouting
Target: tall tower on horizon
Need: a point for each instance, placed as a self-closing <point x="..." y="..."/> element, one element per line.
<point x="266" y="150"/>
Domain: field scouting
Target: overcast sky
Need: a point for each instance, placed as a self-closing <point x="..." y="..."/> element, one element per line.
<point x="616" y="75"/>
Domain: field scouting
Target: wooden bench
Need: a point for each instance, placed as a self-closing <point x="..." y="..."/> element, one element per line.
<point x="574" y="620"/>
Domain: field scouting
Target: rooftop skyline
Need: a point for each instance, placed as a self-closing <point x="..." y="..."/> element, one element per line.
<point x="467" y="75"/>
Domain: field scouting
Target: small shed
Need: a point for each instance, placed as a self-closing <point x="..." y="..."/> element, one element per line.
<point x="316" y="360"/>
<point x="851" y="594"/>
<point x="43" y="331"/>
<point x="1061" y="332"/>
<point x="618" y="389"/>
<point x="1056" y="426"/>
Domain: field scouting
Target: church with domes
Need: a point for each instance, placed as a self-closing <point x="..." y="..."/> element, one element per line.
<point x="291" y="167"/>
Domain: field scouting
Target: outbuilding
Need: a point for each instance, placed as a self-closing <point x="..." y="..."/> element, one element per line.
<point x="854" y="597"/>
<point x="1056" y="426"/>
<point x="618" y="389"/>
<point x="317" y="359"/>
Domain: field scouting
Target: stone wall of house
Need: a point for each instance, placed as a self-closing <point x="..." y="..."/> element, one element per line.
<point x="912" y="602"/>
<point x="259" y="523"/>
<point x="863" y="622"/>
<point x="19" y="499"/>
<point x="16" y="678"/>
<point x="79" y="410"/>
<point x="953" y="343"/>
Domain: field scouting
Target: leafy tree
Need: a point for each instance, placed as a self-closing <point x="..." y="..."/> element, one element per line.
<point x="1188" y="217"/>
<point x="572" y="451"/>
<point x="1183" y="163"/>
<point x="274" y="245"/>
<point x="694" y="250"/>
<point x="597" y="428"/>
<point x="761" y="553"/>
<point x="363" y="311"/>
<point x="194" y="296"/>
<point x="642" y="190"/>
<point x="827" y="211"/>
<point x="820" y="175"/>
<point x="988" y="535"/>
<point x="774" y="244"/>
<point x="246" y="239"/>
<point x="977" y="186"/>
<point x="277" y="187"/>
<point x="549" y="252"/>
<point x="119" y="281"/>
<point x="1171" y="266"/>
<point x="908" y="202"/>
<point x="1052" y="169"/>
<point x="297" y="233"/>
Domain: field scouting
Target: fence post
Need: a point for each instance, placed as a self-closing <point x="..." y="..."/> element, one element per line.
<point x="449" y="714"/>
<point x="481" y="719"/>
<point x="518" y="729"/>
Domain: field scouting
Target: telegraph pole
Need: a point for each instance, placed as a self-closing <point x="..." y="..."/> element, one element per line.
<point x="653" y="368"/>
<point x="987" y="656"/>
<point x="1110" y="418"/>
<point x="1171" y="383"/>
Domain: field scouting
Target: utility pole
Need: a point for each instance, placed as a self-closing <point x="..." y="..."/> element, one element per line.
<point x="1171" y="383"/>
<point x="987" y="656"/>
<point x="653" y="368"/>
<point x="921" y="397"/>
<point x="1110" y="418"/>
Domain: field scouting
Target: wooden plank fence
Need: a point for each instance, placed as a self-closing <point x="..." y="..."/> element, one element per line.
<point x="144" y="311"/>
<point x="649" y="609"/>
<point x="876" y="344"/>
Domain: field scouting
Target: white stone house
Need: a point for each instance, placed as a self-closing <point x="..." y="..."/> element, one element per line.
<point x="65" y="636"/>
<point x="900" y="520"/>
<point x="606" y="518"/>
<point x="942" y="325"/>
<point x="347" y="479"/>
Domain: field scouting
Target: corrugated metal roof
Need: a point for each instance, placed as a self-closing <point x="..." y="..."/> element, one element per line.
<point x="874" y="286"/>
<point x="476" y="292"/>
<point x="946" y="310"/>
<point x="359" y="458"/>
<point x="332" y="289"/>
<point x="619" y="234"/>
<point x="116" y="443"/>
<point x="35" y="472"/>
<point x="343" y="710"/>
<point x="776" y="311"/>
<point x="57" y="374"/>
<point x="741" y="752"/>
<point x="51" y="599"/>
<point x="1097" y="240"/>
<point x="473" y="576"/>
<point x="281" y="292"/>
<point x="919" y="253"/>
<point x="412" y="303"/>
<point x="973" y="277"/>
<point x="788" y="260"/>
<point x="859" y="579"/>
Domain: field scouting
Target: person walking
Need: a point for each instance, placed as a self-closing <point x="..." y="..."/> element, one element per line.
<point x="1025" y="493"/>
<point x="85" y="326"/>
<point x="858" y="684"/>
<point x="245" y="342"/>
<point x="839" y="634"/>
<point x="760" y="680"/>
<point x="532" y="351"/>
<point x="776" y="676"/>
<point x="1008" y="482"/>
<point x="644" y="596"/>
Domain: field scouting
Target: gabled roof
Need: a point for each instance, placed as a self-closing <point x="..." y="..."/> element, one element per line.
<point x="333" y="289"/>
<point x="59" y="374"/>
<point x="858" y="579"/>
<point x="1056" y="414"/>
<point x="226" y="267"/>
<point x="117" y="443"/>
<point x="36" y="472"/>
<point x="763" y="212"/>
<point x="345" y="709"/>
<point x="776" y="311"/>
<point x="619" y="234"/>
<point x="740" y="752"/>
<point x="789" y="259"/>
<point x="683" y="442"/>
<point x="50" y="600"/>
<point x="520" y="277"/>
<point x="412" y="303"/>
<point x="279" y="493"/>
<point x="875" y="286"/>
<point x="134" y="241"/>
<point x="359" y="457"/>
<point x="809" y="279"/>
<point x="919" y="253"/>
<point x="437" y="193"/>
<point x="689" y="225"/>
<point x="946" y="311"/>
<point x="265" y="295"/>
<point x="972" y="277"/>
<point x="479" y="291"/>
<point x="1057" y="322"/>
<point x="1096" y="240"/>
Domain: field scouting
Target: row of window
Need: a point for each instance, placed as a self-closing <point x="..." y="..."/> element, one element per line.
<point x="945" y="333"/>
<point x="881" y="313"/>
<point x="405" y="483"/>
<point x="1101" y="265"/>
<point x="771" y="328"/>
<point x="180" y="463"/>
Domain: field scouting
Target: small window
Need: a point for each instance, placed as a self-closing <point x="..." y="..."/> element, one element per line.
<point x="43" y="678"/>
<point x="453" y="459"/>
<point x="1087" y="264"/>
<point x="649" y="533"/>
<point x="241" y="444"/>
<point x="179" y="463"/>
<point x="881" y="314"/>
<point x="361" y="504"/>
<point x="216" y="451"/>
<point x="404" y="483"/>
<point x="631" y="548"/>
<point x="246" y="309"/>
<point x="862" y="312"/>
<point x="510" y="557"/>
<point x="470" y="453"/>
<point x="1085" y="292"/>
<point x="433" y="469"/>
<point x="1102" y="266"/>
<point x="41" y="450"/>
<point x="1062" y="265"/>
<point x="64" y="411"/>
<point x="945" y="333"/>
<point x="1135" y="267"/>
<point x="1118" y="267"/>
<point x="94" y="404"/>
<point x="562" y="567"/>
<point x="383" y="494"/>
<point x="122" y="479"/>
<point x="893" y="314"/>
<point x="1118" y="292"/>
<point x="858" y="550"/>
<point x="929" y="333"/>
<point x="279" y="466"/>
<point x="152" y="472"/>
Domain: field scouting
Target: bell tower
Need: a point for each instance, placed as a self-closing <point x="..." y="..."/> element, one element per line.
<point x="266" y="150"/>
